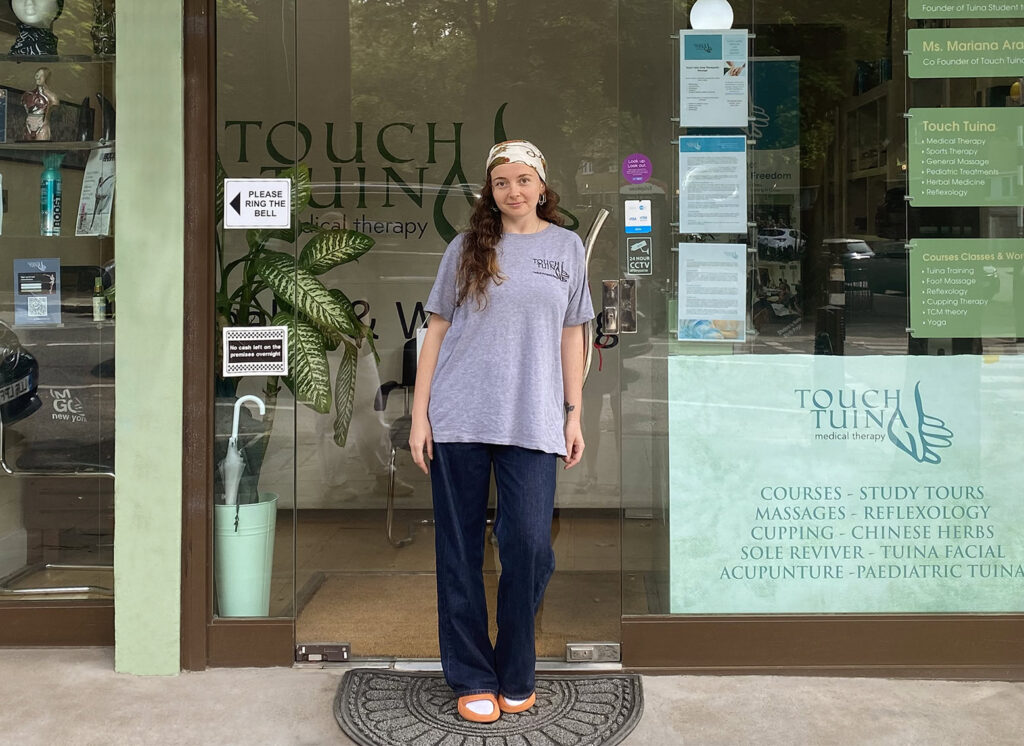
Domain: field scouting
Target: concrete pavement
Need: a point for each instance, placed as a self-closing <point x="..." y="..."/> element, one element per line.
<point x="72" y="696"/>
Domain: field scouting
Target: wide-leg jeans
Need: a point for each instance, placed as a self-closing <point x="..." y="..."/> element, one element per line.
<point x="460" y="476"/>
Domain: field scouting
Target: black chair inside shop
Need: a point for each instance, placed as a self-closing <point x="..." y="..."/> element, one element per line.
<point x="398" y="434"/>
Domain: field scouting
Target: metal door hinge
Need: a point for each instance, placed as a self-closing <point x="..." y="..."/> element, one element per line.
<point x="627" y="306"/>
<point x="335" y="652"/>
<point x="592" y="652"/>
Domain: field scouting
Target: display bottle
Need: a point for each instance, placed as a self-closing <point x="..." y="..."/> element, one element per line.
<point x="99" y="301"/>
<point x="50" y="195"/>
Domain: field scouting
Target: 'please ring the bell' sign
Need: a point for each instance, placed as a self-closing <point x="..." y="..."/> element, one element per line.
<point x="257" y="203"/>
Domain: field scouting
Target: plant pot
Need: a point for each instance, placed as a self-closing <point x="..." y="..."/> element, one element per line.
<point x="243" y="556"/>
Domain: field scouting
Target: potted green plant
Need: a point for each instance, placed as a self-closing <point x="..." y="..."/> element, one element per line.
<point x="271" y="285"/>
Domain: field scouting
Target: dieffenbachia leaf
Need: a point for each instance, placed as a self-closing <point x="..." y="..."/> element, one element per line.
<point x="345" y="393"/>
<point x="219" y="175"/>
<point x="304" y="292"/>
<point x="302" y="189"/>
<point x="257" y="239"/>
<point x="308" y="370"/>
<point x="332" y="248"/>
<point x="334" y="337"/>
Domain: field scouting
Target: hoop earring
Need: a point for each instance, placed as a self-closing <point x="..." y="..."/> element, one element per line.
<point x="494" y="208"/>
<point x="543" y="199"/>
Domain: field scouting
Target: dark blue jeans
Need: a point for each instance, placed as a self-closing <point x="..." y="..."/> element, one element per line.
<point x="460" y="475"/>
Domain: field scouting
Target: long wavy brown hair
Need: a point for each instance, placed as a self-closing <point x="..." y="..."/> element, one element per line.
<point x="479" y="265"/>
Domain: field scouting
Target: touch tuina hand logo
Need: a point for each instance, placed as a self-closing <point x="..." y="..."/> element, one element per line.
<point x="919" y="434"/>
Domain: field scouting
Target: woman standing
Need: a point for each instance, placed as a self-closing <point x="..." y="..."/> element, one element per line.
<point x="499" y="386"/>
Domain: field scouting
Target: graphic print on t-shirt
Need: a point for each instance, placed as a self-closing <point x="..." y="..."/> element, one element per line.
<point x="551" y="268"/>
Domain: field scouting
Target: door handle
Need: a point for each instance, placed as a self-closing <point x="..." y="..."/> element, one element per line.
<point x="590" y="333"/>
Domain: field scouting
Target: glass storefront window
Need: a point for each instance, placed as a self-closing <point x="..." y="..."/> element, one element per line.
<point x="845" y="457"/>
<point x="766" y="462"/>
<point x="57" y="319"/>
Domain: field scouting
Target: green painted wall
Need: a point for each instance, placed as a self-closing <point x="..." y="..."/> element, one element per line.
<point x="149" y="227"/>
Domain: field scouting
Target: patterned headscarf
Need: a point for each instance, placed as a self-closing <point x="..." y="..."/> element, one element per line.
<point x="518" y="151"/>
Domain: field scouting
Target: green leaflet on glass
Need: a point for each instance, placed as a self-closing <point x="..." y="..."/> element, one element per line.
<point x="309" y="376"/>
<point x="306" y="292"/>
<point x="331" y="249"/>
<point x="345" y="393"/>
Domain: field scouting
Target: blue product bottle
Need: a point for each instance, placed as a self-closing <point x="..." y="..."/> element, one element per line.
<point x="50" y="195"/>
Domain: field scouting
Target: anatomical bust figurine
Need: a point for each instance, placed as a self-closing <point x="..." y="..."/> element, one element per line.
<point x="35" y="19"/>
<point x="39" y="104"/>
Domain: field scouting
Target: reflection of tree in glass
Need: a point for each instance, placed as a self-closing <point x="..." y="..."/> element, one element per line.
<point x="556" y="65"/>
<point x="829" y="39"/>
<point x="460" y="60"/>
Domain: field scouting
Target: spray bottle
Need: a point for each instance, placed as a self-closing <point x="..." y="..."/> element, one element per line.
<point x="50" y="195"/>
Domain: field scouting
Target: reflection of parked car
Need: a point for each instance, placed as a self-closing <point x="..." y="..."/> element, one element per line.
<point x="19" y="378"/>
<point x="781" y="244"/>
<point x="886" y="271"/>
<point x="884" y="268"/>
<point x="856" y="257"/>
<point x="849" y="249"/>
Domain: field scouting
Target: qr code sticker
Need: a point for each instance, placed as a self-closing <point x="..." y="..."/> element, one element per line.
<point x="37" y="305"/>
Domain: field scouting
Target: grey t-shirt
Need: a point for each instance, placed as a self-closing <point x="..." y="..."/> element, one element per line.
<point x="499" y="371"/>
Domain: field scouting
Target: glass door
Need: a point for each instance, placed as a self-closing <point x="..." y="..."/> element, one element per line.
<point x="396" y="106"/>
<point x="254" y="447"/>
<point x="646" y="299"/>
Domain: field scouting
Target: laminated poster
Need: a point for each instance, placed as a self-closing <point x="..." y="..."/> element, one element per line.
<point x="37" y="292"/>
<point x="965" y="52"/>
<point x="712" y="292"/>
<point x="97" y="202"/>
<point x="962" y="9"/>
<point x="713" y="89"/>
<point x="966" y="156"/>
<point x="713" y="184"/>
<point x="967" y="287"/>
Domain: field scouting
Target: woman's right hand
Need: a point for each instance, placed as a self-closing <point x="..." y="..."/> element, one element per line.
<point x="421" y="436"/>
<point x="421" y="443"/>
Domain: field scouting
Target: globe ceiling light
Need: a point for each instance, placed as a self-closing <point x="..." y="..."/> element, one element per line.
<point x="711" y="15"/>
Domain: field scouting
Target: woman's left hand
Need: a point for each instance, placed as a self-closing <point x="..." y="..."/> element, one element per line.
<point x="573" y="443"/>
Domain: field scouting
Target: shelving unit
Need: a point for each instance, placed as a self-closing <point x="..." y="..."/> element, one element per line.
<point x="54" y="146"/>
<point x="66" y="519"/>
<point x="76" y="79"/>
<point x="100" y="59"/>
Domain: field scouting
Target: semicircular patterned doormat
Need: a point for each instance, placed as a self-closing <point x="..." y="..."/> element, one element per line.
<point x="380" y="707"/>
